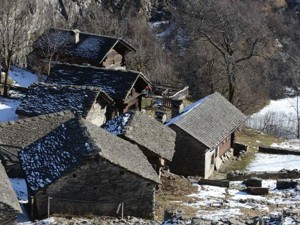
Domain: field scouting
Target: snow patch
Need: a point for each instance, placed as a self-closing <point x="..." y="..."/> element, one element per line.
<point x="8" y="109"/>
<point x="271" y="162"/>
<point x="22" y="77"/>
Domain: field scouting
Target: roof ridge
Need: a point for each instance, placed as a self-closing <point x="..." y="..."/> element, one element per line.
<point x="95" y="67"/>
<point x="41" y="117"/>
<point x="87" y="33"/>
<point x="82" y="87"/>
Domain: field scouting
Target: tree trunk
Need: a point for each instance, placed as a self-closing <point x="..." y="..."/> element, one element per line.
<point x="5" y="91"/>
<point x="230" y="70"/>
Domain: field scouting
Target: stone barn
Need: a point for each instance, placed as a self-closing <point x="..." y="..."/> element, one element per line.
<point x="204" y="133"/>
<point x="88" y="102"/>
<point x="156" y="140"/>
<point x="9" y="204"/>
<point x="76" y="47"/>
<point x="81" y="169"/>
<point x="124" y="87"/>
<point x="16" y="135"/>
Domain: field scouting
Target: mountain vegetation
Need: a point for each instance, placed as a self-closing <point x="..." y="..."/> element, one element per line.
<point x="246" y="50"/>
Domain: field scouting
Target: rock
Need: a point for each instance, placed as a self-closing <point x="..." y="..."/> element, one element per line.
<point x="285" y="184"/>
<point x="253" y="182"/>
<point x="257" y="191"/>
<point x="218" y="163"/>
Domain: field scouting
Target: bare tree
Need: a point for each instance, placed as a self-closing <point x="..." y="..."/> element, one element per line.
<point x="14" y="20"/>
<point x="49" y="47"/>
<point x="99" y="20"/>
<point x="234" y="30"/>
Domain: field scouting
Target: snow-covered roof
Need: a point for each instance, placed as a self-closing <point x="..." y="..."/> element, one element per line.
<point x="89" y="46"/>
<point x="44" y="98"/>
<point x="116" y="83"/>
<point x="74" y="143"/>
<point x="209" y="120"/>
<point x="144" y="131"/>
<point x="117" y="125"/>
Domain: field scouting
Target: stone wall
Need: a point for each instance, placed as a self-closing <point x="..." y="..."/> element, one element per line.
<point x="7" y="214"/>
<point x="279" y="151"/>
<point x="98" y="188"/>
<point x="209" y="163"/>
<point x="189" y="156"/>
<point x="225" y="145"/>
<point x="113" y="59"/>
<point x="97" y="114"/>
<point x="9" y="204"/>
<point x="238" y="148"/>
<point x="284" y="174"/>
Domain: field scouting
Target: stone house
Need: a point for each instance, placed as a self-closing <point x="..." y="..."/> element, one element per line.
<point x="204" y="134"/>
<point x="9" y="204"/>
<point x="88" y="102"/>
<point x="76" y="47"/>
<point x="81" y="169"/>
<point x="156" y="140"/>
<point x="16" y="135"/>
<point x="124" y="87"/>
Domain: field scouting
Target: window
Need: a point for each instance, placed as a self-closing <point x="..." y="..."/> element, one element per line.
<point x="212" y="160"/>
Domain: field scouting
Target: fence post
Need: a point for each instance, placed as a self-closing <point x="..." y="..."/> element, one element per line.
<point x="48" y="207"/>
<point x="122" y="214"/>
<point x="32" y="206"/>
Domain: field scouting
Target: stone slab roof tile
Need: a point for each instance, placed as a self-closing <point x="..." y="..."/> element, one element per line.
<point x="7" y="193"/>
<point x="90" y="46"/>
<point x="73" y="144"/>
<point x="122" y="153"/>
<point x="44" y="98"/>
<point x="210" y="119"/>
<point x="116" y="83"/>
<point x="144" y="131"/>
<point x="16" y="135"/>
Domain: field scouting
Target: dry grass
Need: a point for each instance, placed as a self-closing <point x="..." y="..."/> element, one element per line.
<point x="172" y="193"/>
<point x="253" y="138"/>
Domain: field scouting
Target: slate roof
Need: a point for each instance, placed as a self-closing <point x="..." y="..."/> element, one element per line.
<point x="209" y="120"/>
<point x="44" y="98"/>
<point x="116" y="83"/>
<point x="7" y="193"/>
<point x="90" y="46"/>
<point x="16" y="135"/>
<point x="144" y="131"/>
<point x="73" y="144"/>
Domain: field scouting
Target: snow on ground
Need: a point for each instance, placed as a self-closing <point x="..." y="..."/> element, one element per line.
<point x="273" y="162"/>
<point x="214" y="203"/>
<point x="278" y="115"/>
<point x="22" y="77"/>
<point x="293" y="144"/>
<point x="8" y="109"/>
<point x="20" y="187"/>
<point x="49" y="221"/>
<point x="286" y="106"/>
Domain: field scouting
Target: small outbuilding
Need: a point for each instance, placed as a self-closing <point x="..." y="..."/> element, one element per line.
<point x="88" y="102"/>
<point x="76" y="47"/>
<point x="156" y="140"/>
<point x="81" y="169"/>
<point x="124" y="87"/>
<point x="204" y="133"/>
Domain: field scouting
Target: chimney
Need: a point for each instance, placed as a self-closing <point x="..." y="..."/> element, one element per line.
<point x="177" y="107"/>
<point x="75" y="34"/>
